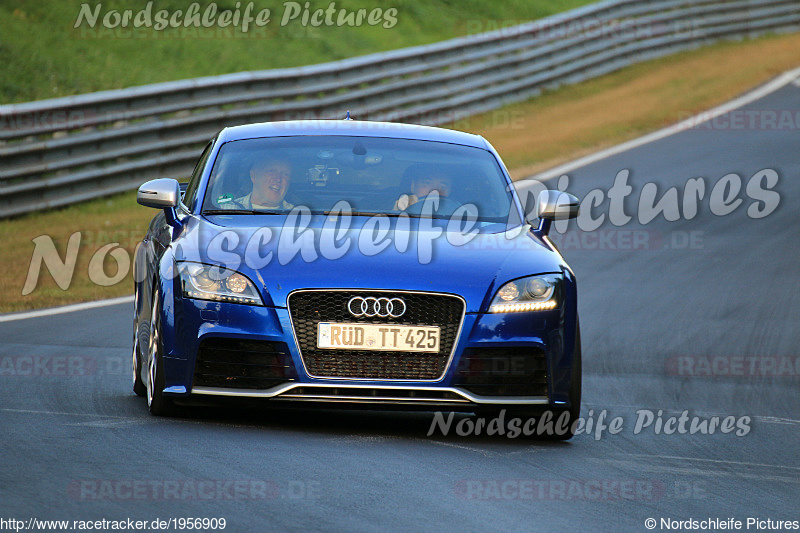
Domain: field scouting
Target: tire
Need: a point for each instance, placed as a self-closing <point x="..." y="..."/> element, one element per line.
<point x="139" y="387"/>
<point x="574" y="409"/>
<point x="157" y="403"/>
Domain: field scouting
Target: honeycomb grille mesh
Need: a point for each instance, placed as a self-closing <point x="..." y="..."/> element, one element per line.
<point x="309" y="308"/>
<point x="242" y="364"/>
<point x="512" y="371"/>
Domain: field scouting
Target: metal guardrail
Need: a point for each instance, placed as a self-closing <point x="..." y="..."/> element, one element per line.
<point x="65" y="150"/>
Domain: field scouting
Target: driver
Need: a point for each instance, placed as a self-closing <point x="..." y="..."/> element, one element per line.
<point x="271" y="178"/>
<point x="424" y="180"/>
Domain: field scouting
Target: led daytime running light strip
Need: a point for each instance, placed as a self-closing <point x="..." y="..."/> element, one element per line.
<point x="219" y="297"/>
<point x="528" y="306"/>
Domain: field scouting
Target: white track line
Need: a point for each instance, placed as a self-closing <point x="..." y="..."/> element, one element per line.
<point x="66" y="309"/>
<point x="714" y="461"/>
<point x="59" y="413"/>
<point x="792" y="76"/>
<point x="759" y="418"/>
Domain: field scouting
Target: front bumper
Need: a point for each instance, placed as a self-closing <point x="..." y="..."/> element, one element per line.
<point x="498" y="359"/>
<point x="418" y="395"/>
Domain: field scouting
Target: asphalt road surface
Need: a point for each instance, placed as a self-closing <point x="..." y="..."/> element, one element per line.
<point x="699" y="315"/>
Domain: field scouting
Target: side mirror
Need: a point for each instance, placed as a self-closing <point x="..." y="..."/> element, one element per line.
<point x="555" y="205"/>
<point x="161" y="193"/>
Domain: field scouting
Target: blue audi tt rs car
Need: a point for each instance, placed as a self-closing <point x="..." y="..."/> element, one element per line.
<point x="352" y="262"/>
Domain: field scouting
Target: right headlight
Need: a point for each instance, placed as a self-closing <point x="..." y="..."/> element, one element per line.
<point x="534" y="293"/>
<point x="206" y="282"/>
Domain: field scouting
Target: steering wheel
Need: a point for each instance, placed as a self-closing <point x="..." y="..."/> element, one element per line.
<point x="447" y="206"/>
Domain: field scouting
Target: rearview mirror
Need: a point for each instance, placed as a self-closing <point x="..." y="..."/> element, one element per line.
<point x="160" y="193"/>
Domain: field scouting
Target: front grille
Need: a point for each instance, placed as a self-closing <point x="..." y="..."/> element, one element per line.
<point x="309" y="308"/>
<point x="242" y="364"/>
<point x="512" y="371"/>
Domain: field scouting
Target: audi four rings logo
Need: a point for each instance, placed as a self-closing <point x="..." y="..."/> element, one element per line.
<point x="382" y="307"/>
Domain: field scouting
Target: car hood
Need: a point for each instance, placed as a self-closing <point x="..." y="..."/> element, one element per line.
<point x="422" y="256"/>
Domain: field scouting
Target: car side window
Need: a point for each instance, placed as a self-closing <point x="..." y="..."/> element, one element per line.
<point x="194" y="181"/>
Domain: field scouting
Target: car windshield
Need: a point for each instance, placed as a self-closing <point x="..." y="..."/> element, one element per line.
<point x="372" y="175"/>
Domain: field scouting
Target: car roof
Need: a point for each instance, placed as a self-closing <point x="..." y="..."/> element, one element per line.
<point x="355" y="128"/>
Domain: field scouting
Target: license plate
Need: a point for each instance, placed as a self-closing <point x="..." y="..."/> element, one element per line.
<point x="377" y="337"/>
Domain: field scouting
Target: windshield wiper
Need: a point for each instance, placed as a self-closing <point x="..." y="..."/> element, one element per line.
<point x="326" y="213"/>
<point x="243" y="212"/>
<point x="363" y="213"/>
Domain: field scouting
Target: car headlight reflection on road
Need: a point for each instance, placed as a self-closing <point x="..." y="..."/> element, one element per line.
<point x="205" y="282"/>
<point x="534" y="293"/>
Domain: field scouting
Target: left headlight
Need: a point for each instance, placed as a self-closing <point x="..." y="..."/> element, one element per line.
<point x="205" y="282"/>
<point x="534" y="293"/>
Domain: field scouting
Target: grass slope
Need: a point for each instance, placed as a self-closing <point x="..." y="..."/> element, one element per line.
<point x="44" y="56"/>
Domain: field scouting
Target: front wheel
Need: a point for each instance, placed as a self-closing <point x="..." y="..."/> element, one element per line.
<point x="138" y="385"/>
<point x="574" y="409"/>
<point x="157" y="403"/>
